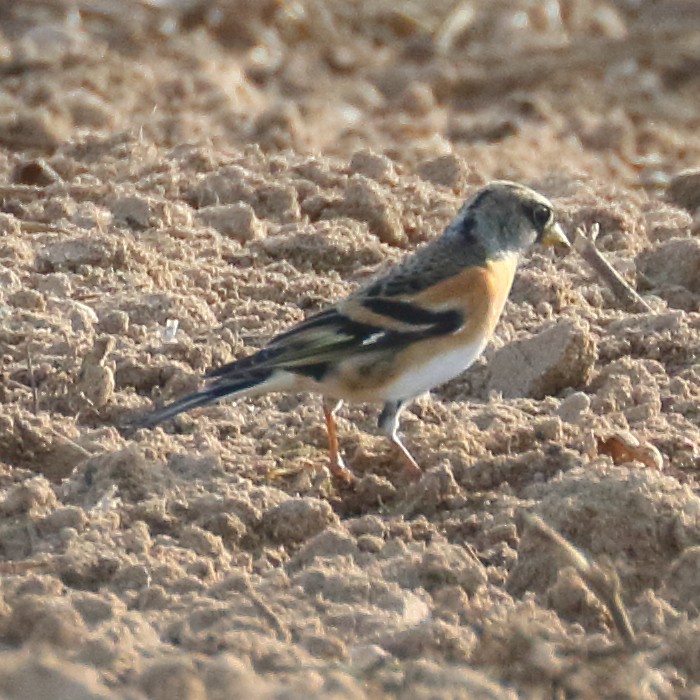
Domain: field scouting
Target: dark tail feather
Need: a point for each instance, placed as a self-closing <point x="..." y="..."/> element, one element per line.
<point x="204" y="396"/>
<point x="252" y="363"/>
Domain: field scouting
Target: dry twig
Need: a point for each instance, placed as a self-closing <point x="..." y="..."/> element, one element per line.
<point x="244" y="586"/>
<point x="17" y="568"/>
<point x="25" y="193"/>
<point x="585" y="246"/>
<point x="32" y="378"/>
<point x="600" y="577"/>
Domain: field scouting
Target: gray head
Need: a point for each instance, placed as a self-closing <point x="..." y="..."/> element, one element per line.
<point x="506" y="217"/>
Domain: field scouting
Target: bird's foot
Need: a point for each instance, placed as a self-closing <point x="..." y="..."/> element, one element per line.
<point x="413" y="472"/>
<point x="340" y="472"/>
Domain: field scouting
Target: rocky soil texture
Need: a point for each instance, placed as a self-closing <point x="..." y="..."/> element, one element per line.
<point x="180" y="181"/>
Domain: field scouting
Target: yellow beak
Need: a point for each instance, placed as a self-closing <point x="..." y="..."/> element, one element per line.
<point x="554" y="236"/>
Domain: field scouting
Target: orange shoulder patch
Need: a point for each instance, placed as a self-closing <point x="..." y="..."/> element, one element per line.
<point x="479" y="292"/>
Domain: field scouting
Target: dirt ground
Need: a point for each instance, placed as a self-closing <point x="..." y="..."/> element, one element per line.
<point x="180" y="181"/>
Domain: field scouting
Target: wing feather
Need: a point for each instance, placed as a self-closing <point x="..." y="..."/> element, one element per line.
<point x="365" y="325"/>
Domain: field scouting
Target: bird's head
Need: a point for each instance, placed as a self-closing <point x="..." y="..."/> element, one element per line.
<point x="506" y="217"/>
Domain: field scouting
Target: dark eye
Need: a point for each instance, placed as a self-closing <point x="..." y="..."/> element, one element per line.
<point x="541" y="215"/>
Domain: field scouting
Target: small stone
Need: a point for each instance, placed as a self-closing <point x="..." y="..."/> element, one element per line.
<point x="228" y="526"/>
<point x="90" y="216"/>
<point x="364" y="200"/>
<point x="367" y="525"/>
<point x="472" y="577"/>
<point x="96" y="378"/>
<point x="374" y="489"/>
<point x="684" y="189"/>
<point x="298" y="519"/>
<point x="56" y="284"/>
<point x="134" y="577"/>
<point x="70" y="254"/>
<point x="237" y="221"/>
<point x="549" y="428"/>
<point x="37" y="445"/>
<point x="133" y="212"/>
<point x="368" y="657"/>
<point x="35" y="172"/>
<point x="695" y="224"/>
<point x="276" y="202"/>
<point x="559" y="357"/>
<point x="114" y="323"/>
<point x="373" y="165"/>
<point x="448" y="170"/>
<point x="229" y="185"/>
<point x="674" y="263"/>
<point x="573" y="407"/>
<point x="27" y="299"/>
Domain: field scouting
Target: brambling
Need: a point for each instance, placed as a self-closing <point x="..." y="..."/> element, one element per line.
<point x="418" y="326"/>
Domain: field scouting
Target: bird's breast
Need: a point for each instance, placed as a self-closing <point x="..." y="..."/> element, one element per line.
<point x="437" y="367"/>
<point x="480" y="294"/>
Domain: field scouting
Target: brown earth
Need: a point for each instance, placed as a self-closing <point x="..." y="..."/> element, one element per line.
<point x="233" y="166"/>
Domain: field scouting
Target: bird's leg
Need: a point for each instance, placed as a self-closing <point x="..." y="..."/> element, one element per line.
<point x="336" y="465"/>
<point x="389" y="423"/>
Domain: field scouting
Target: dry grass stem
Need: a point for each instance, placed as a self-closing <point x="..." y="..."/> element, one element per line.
<point x="584" y="243"/>
<point x="32" y="378"/>
<point x="600" y="577"/>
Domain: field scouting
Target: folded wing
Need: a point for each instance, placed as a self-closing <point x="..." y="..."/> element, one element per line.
<point x="357" y="326"/>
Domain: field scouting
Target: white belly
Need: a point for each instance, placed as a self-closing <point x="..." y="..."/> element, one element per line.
<point x="436" y="370"/>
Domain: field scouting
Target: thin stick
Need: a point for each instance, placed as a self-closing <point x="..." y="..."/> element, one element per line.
<point x="32" y="378"/>
<point x="78" y="448"/>
<point x="15" y="568"/>
<point x="26" y="193"/>
<point x="268" y="613"/>
<point x="584" y="243"/>
<point x="601" y="578"/>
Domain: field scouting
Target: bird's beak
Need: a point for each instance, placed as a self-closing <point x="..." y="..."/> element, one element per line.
<point x="554" y="236"/>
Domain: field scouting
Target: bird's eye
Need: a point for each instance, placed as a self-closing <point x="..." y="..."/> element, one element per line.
<point x="541" y="216"/>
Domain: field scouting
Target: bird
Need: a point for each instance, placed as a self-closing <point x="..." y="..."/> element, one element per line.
<point x="415" y="327"/>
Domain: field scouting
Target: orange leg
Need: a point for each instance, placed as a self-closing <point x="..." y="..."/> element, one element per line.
<point x="389" y="423"/>
<point x="336" y="465"/>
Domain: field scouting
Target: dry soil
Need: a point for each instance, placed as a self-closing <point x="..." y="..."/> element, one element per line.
<point x="180" y="181"/>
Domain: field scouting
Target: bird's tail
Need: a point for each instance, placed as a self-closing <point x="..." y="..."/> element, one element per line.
<point x="207" y="394"/>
